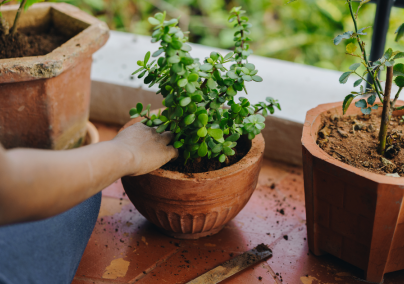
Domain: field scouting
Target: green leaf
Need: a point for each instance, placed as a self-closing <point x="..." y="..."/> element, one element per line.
<point x="230" y="91"/>
<point x="174" y="59"/>
<point x="185" y="101"/>
<point x="371" y="99"/>
<point x="170" y="22"/>
<point x="233" y="138"/>
<point x="344" y="77"/>
<point x="158" y="52"/>
<point x="203" y="149"/>
<point x="358" y="82"/>
<point x="399" y="81"/>
<point x="154" y="21"/>
<point x="177" y="68"/>
<point x="187" y="60"/>
<point x="399" y="55"/>
<point x="339" y="38"/>
<point x="190" y="88"/>
<point x="251" y="136"/>
<point x="211" y="83"/>
<point x="189" y="119"/>
<point x="375" y="107"/>
<point x="203" y="118"/>
<point x="257" y="78"/>
<point x="176" y="44"/>
<point x="202" y="132"/>
<point x="228" y="55"/>
<point x="400" y="32"/>
<point x="361" y="103"/>
<point x="178" y="144"/>
<point x="193" y="77"/>
<point x="398" y="69"/>
<point x="149" y="123"/>
<point x="215" y="104"/>
<point x="387" y="55"/>
<point x="182" y="82"/>
<point x="228" y="151"/>
<point x="215" y="133"/>
<point x="222" y="158"/>
<point x="354" y="66"/>
<point x="351" y="48"/>
<point x="133" y="111"/>
<point x="236" y="108"/>
<point x="214" y="55"/>
<point x="186" y="47"/>
<point x="249" y="66"/>
<point x="161" y="128"/>
<point x="366" y="110"/>
<point x="347" y="101"/>
<point x="139" y="107"/>
<point x="197" y="98"/>
<point x="178" y="111"/>
<point x="206" y="67"/>
<point x="217" y="148"/>
<point x="231" y="74"/>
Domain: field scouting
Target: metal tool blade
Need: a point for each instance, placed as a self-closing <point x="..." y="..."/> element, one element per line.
<point x="232" y="266"/>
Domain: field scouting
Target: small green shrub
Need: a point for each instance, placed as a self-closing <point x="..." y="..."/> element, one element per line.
<point x="194" y="93"/>
<point x="395" y="71"/>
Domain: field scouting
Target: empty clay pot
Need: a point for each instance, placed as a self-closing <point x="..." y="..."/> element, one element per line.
<point x="190" y="206"/>
<point x="352" y="214"/>
<point x="44" y="100"/>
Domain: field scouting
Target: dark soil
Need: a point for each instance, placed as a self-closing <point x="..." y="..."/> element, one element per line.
<point x="208" y="165"/>
<point x="30" y="43"/>
<point x="354" y="140"/>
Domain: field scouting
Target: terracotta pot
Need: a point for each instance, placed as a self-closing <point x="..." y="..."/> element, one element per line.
<point x="92" y="135"/>
<point x="44" y="100"/>
<point x="190" y="206"/>
<point x="352" y="214"/>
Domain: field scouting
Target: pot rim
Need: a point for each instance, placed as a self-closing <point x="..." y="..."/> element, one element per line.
<point x="253" y="156"/>
<point x="64" y="57"/>
<point x="309" y="142"/>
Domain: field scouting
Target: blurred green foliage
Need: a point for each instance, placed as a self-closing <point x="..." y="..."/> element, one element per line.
<point x="301" y="31"/>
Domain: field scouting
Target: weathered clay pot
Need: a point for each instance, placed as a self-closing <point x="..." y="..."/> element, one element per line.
<point x="190" y="206"/>
<point x="44" y="100"/>
<point x="352" y="214"/>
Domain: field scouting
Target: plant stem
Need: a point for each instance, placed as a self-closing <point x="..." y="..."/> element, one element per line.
<point x="364" y="52"/>
<point x="19" y="11"/>
<point x="386" y="114"/>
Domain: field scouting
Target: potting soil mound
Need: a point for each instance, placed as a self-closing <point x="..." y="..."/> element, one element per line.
<point x="24" y="44"/>
<point x="206" y="165"/>
<point x="354" y="141"/>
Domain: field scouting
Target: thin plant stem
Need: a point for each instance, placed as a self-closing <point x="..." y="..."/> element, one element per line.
<point x="17" y="17"/>
<point x="364" y="52"/>
<point x="386" y="114"/>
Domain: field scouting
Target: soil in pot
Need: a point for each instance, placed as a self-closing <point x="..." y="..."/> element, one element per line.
<point x="206" y="165"/>
<point x="354" y="140"/>
<point x="30" y="42"/>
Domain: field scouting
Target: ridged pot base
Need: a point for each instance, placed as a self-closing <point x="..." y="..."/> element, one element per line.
<point x="191" y="236"/>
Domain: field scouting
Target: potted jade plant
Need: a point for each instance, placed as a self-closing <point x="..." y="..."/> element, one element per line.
<point x="218" y="136"/>
<point x="353" y="165"/>
<point x="45" y="64"/>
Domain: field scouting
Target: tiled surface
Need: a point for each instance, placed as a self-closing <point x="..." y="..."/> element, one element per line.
<point x="126" y="248"/>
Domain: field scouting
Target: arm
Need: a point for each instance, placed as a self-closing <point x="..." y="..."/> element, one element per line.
<point x="36" y="184"/>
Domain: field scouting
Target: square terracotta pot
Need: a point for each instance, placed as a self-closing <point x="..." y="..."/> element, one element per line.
<point x="44" y="100"/>
<point x="352" y="214"/>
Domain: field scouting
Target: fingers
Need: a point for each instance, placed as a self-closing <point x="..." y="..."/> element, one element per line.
<point x="167" y="136"/>
<point x="172" y="153"/>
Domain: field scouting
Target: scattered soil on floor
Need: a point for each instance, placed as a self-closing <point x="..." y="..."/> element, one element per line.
<point x="27" y="43"/>
<point x="354" y="140"/>
<point x="207" y="165"/>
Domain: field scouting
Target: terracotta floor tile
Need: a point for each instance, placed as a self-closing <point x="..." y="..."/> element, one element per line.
<point x="115" y="190"/>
